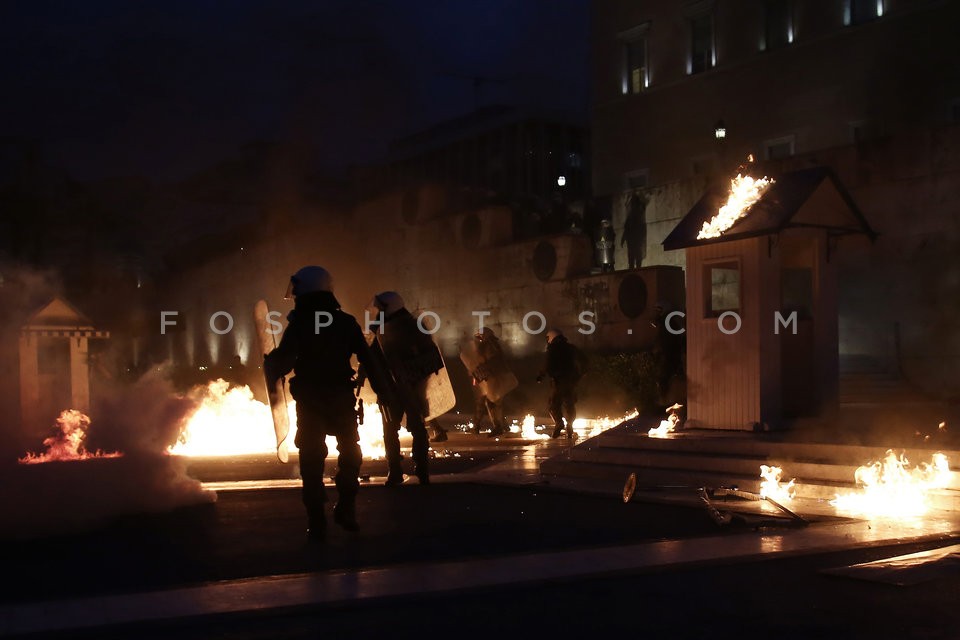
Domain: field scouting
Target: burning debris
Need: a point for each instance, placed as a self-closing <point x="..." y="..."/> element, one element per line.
<point x="669" y="425"/>
<point x="745" y="191"/>
<point x="891" y="488"/>
<point x="528" y="429"/>
<point x="770" y="487"/>
<point x="86" y="489"/>
<point x="68" y="443"/>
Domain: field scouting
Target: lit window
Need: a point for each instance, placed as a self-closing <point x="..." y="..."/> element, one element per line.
<point x="702" y="56"/>
<point x="722" y="285"/>
<point x="634" y="75"/>
<point x="636" y="56"/>
<point x="778" y="24"/>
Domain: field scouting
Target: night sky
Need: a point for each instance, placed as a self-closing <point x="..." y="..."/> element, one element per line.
<point x="166" y="88"/>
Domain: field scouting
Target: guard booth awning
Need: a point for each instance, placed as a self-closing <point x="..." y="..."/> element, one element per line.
<point x="808" y="198"/>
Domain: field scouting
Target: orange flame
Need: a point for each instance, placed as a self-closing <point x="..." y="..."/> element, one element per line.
<point x="68" y="443"/>
<point x="669" y="425"/>
<point x="231" y="422"/>
<point x="890" y="488"/>
<point x="770" y="487"/>
<point x="744" y="193"/>
<point x="528" y="429"/>
<point x="590" y="427"/>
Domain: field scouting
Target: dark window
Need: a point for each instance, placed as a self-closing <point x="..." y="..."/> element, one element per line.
<point x="860" y="11"/>
<point x="777" y="24"/>
<point x="701" y="43"/>
<point x="722" y="285"/>
<point x="635" y="65"/>
<point x="780" y="148"/>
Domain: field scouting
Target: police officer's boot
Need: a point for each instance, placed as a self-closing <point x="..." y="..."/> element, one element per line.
<point x="316" y="525"/>
<point x="345" y="515"/>
<point x="422" y="469"/>
<point x="394" y="477"/>
<point x="570" y="418"/>
<point x="558" y="428"/>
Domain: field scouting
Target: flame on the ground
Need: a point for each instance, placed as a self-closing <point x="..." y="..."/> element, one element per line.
<point x="527" y="428"/>
<point x="668" y="425"/>
<point x="770" y="486"/>
<point x="67" y="444"/>
<point x="231" y="422"/>
<point x="891" y="488"/>
<point x="590" y="427"/>
<point x="744" y="193"/>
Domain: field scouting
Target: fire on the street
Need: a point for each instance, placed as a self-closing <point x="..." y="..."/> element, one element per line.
<point x="529" y="429"/>
<point x="68" y="443"/>
<point x="891" y="488"/>
<point x="771" y="487"/>
<point x="231" y="422"/>
<point x="744" y="193"/>
<point x="590" y="427"/>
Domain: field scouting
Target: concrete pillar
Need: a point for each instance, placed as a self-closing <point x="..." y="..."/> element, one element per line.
<point x="29" y="380"/>
<point x="79" y="375"/>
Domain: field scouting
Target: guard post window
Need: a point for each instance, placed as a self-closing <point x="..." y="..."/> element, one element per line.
<point x="721" y="283"/>
<point x="634" y="76"/>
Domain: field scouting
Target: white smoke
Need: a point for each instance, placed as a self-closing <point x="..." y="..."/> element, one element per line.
<point x="140" y="420"/>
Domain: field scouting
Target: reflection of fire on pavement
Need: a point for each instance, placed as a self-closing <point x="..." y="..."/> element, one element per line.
<point x="67" y="444"/>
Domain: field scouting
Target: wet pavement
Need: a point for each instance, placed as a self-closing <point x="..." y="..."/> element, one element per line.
<point x="491" y="547"/>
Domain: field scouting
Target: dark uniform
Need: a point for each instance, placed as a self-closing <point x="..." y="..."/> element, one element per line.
<point x="488" y="347"/>
<point x="565" y="365"/>
<point x="668" y="356"/>
<point x="326" y="405"/>
<point x="412" y="356"/>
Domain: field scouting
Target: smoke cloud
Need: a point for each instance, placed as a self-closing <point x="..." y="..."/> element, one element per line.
<point x="140" y="420"/>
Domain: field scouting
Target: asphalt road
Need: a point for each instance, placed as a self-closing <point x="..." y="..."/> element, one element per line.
<point x="256" y="533"/>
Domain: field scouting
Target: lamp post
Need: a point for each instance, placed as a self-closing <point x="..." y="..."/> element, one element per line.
<point x="720" y="130"/>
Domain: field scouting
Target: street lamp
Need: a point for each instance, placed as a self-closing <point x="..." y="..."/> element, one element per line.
<point x="720" y="130"/>
<point x="561" y="180"/>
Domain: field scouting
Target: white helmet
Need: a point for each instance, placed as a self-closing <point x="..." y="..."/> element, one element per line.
<point x="309" y="280"/>
<point x="387" y="301"/>
<point x="553" y="334"/>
